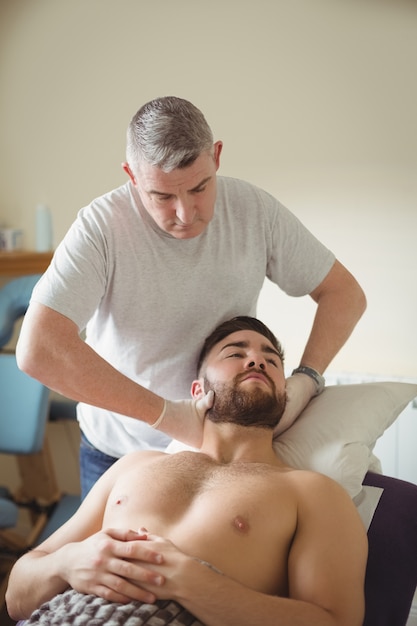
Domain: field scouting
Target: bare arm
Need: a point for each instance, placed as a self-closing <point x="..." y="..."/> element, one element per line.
<point x="51" y="350"/>
<point x="340" y="304"/>
<point x="109" y="563"/>
<point x="326" y="570"/>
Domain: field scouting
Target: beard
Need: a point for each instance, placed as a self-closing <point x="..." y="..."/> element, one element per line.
<point x="245" y="407"/>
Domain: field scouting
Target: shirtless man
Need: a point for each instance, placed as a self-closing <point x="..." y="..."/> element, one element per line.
<point x="233" y="535"/>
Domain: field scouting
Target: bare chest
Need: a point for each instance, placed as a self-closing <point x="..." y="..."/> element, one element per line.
<point x="233" y="516"/>
<point x="177" y="485"/>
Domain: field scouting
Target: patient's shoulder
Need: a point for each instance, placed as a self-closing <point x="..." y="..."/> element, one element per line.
<point x="137" y="459"/>
<point x="315" y="485"/>
<point x="322" y="496"/>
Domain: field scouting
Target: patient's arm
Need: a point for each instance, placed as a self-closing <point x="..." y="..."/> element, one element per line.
<point x="82" y="556"/>
<point x="325" y="570"/>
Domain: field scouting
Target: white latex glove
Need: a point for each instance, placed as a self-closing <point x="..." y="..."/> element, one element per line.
<point x="184" y="419"/>
<point x="300" y="389"/>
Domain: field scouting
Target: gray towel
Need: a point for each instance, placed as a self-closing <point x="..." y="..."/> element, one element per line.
<point x="77" y="609"/>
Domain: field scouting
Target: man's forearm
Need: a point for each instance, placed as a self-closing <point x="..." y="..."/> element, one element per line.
<point x="50" y="350"/>
<point x="340" y="304"/>
<point x="33" y="580"/>
<point x="212" y="597"/>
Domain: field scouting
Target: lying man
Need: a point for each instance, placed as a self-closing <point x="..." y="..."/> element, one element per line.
<point x="228" y="535"/>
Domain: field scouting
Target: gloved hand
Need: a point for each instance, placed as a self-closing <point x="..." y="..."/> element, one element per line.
<point x="300" y="389"/>
<point x="184" y="419"/>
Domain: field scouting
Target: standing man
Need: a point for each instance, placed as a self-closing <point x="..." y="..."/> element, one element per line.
<point x="149" y="268"/>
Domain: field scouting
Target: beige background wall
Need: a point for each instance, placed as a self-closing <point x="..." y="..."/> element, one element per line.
<point x="315" y="101"/>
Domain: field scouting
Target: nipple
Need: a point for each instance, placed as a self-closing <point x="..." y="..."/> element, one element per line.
<point x="241" y="524"/>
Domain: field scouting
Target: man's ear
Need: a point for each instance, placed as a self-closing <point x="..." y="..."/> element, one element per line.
<point x="197" y="388"/>
<point x="218" y="146"/>
<point x="129" y="172"/>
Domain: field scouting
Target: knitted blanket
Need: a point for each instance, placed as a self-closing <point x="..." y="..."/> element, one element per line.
<point x="77" y="609"/>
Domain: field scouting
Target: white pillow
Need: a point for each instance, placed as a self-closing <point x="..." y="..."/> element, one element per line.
<point x="337" y="431"/>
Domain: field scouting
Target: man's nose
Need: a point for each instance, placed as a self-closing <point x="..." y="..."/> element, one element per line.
<point x="257" y="362"/>
<point x="185" y="212"/>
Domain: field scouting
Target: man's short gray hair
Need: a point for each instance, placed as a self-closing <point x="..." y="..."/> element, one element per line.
<point x="168" y="133"/>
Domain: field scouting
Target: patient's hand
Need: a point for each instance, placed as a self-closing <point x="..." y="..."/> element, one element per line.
<point x="113" y="564"/>
<point x="173" y="568"/>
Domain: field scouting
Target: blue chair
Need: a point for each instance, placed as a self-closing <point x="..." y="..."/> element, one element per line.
<point x="24" y="411"/>
<point x="24" y="407"/>
<point x="14" y="301"/>
<point x="8" y="512"/>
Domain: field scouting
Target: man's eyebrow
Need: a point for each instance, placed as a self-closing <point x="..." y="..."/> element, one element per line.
<point x="245" y="344"/>
<point x="201" y="184"/>
<point x="155" y="192"/>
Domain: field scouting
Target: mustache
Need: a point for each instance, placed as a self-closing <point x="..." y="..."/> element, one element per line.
<point x="257" y="370"/>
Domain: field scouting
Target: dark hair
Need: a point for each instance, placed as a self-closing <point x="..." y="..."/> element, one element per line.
<point x="242" y="322"/>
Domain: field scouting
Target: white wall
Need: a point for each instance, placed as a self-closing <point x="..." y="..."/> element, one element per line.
<point x="315" y="100"/>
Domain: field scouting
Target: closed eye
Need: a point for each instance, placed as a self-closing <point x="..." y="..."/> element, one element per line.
<point x="199" y="190"/>
<point x="240" y="355"/>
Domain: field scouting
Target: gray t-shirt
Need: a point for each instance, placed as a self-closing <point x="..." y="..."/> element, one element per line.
<point x="148" y="300"/>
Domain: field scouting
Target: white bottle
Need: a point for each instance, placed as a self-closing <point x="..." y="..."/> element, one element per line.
<point x="43" y="229"/>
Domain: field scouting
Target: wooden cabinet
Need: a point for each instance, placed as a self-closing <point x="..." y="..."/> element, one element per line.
<point x="23" y="262"/>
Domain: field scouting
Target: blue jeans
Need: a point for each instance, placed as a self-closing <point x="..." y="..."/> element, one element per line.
<point x="93" y="464"/>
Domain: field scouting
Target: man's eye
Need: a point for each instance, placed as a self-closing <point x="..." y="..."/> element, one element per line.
<point x="237" y="355"/>
<point x="273" y="362"/>
<point x="162" y="197"/>
<point x="200" y="189"/>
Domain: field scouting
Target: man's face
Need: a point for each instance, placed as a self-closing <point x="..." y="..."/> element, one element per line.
<point x="247" y="377"/>
<point x="181" y="202"/>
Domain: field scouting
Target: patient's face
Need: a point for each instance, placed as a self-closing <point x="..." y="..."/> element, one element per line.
<point x="246" y="374"/>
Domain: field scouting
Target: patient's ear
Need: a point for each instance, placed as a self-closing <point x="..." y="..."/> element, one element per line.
<point x="197" y="388"/>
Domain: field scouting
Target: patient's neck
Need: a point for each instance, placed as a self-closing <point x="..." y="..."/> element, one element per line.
<point x="231" y="443"/>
